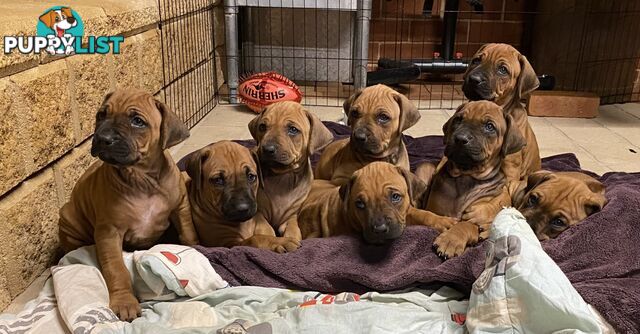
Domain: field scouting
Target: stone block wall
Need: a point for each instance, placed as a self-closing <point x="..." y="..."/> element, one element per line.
<point x="47" y="108"/>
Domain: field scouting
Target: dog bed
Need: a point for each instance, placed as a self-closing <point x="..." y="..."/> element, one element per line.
<point x="600" y="256"/>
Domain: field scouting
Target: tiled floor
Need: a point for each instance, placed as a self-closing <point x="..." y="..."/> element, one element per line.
<point x="610" y="142"/>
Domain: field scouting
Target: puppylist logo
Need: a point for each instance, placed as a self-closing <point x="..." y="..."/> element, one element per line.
<point x="59" y="31"/>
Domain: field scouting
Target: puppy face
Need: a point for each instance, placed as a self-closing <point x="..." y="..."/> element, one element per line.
<point x="377" y="116"/>
<point x="478" y="135"/>
<point x="287" y="134"/>
<point x="59" y="20"/>
<point x="499" y="73"/>
<point x="377" y="199"/>
<point x="131" y="125"/>
<point x="225" y="176"/>
<point x="553" y="202"/>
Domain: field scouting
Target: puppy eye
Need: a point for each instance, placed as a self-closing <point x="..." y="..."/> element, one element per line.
<point x="138" y="122"/>
<point x="218" y="181"/>
<point x="475" y="61"/>
<point x="359" y="204"/>
<point x="489" y="127"/>
<point x="57" y="19"/>
<point x="532" y="200"/>
<point x="293" y="131"/>
<point x="383" y="118"/>
<point x="558" y="223"/>
<point x="502" y="70"/>
<point x="262" y="127"/>
<point x="252" y="177"/>
<point x="354" y="113"/>
<point x="396" y="198"/>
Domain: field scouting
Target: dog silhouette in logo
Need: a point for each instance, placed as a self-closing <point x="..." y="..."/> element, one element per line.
<point x="59" y="20"/>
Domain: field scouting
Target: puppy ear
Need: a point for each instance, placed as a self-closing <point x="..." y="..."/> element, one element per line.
<point x="417" y="188"/>
<point x="527" y="81"/>
<point x="446" y="128"/>
<point x="348" y="102"/>
<point x="469" y="68"/>
<point x="409" y="114"/>
<point x="255" y="157"/>
<point x="67" y="11"/>
<point x="172" y="130"/>
<point x="594" y="204"/>
<point x="48" y="18"/>
<point x="320" y="136"/>
<point x="533" y="181"/>
<point x="103" y="105"/>
<point x="346" y="188"/>
<point x="513" y="140"/>
<point x="253" y="125"/>
<point x="594" y="185"/>
<point x="194" y="166"/>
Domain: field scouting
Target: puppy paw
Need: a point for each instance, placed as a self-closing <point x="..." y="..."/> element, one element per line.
<point x="125" y="306"/>
<point x="444" y="223"/>
<point x="484" y="231"/>
<point x="285" y="245"/>
<point x="479" y="214"/>
<point x="448" y="245"/>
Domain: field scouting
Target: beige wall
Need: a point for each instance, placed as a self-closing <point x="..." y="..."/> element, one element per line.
<point x="47" y="107"/>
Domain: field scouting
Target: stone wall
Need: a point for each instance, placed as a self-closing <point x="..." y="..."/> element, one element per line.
<point x="47" y="107"/>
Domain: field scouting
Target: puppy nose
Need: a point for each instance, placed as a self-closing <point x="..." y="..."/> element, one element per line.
<point x="71" y="20"/>
<point x="476" y="79"/>
<point x="271" y="149"/>
<point x="360" y="136"/>
<point x="242" y="206"/>
<point x="380" y="226"/>
<point x="106" y="139"/>
<point x="463" y="138"/>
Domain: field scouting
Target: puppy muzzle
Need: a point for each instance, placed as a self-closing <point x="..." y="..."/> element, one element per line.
<point x="273" y="154"/>
<point x="464" y="150"/>
<point x="364" y="141"/>
<point x="477" y="86"/>
<point x="112" y="148"/>
<point x="382" y="229"/>
<point x="239" y="207"/>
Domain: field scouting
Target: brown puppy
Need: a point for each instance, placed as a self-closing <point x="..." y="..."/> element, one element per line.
<point x="499" y="73"/>
<point x="286" y="135"/>
<point x="553" y="202"/>
<point x="125" y="200"/>
<point x="470" y="183"/>
<point x="223" y="186"/>
<point x="377" y="116"/>
<point x="377" y="203"/>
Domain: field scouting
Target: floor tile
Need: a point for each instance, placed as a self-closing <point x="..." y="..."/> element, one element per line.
<point x="622" y="123"/>
<point x="601" y="144"/>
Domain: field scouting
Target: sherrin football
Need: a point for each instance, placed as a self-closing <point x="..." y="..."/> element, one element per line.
<point x="262" y="89"/>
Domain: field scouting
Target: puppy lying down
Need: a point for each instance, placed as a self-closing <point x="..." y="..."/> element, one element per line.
<point x="377" y="203"/>
<point x="554" y="202"/>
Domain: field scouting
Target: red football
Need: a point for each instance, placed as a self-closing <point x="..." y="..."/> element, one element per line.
<point x="260" y="90"/>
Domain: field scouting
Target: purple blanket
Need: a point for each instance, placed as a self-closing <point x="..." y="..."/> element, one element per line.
<point x="601" y="256"/>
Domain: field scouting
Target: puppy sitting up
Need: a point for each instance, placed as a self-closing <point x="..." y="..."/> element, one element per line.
<point x="377" y="203"/>
<point x="377" y="116"/>
<point x="477" y="138"/>
<point x="286" y="135"/>
<point x="125" y="200"/>
<point x="223" y="190"/>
